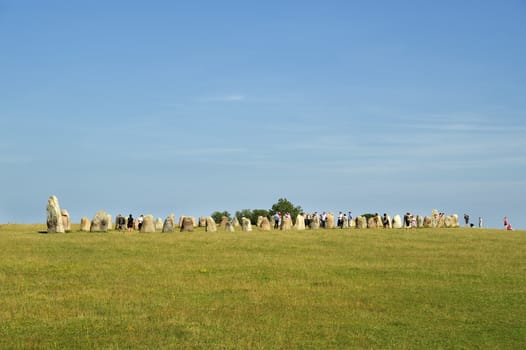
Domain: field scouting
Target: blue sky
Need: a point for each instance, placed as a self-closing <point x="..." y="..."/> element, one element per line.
<point x="191" y="107"/>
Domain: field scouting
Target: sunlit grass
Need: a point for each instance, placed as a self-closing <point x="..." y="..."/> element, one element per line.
<point x="459" y="288"/>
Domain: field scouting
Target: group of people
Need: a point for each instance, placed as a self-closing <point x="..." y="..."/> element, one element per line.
<point x="129" y="223"/>
<point x="468" y="224"/>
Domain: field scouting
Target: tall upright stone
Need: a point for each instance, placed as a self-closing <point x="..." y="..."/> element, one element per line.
<point x="300" y="223"/>
<point x="315" y="222"/>
<point x="66" y="220"/>
<point x="210" y="224"/>
<point x="246" y="225"/>
<point x="169" y="224"/>
<point x="265" y="224"/>
<point x="397" y="221"/>
<point x="159" y="224"/>
<point x="361" y="222"/>
<point x="202" y="221"/>
<point x="54" y="216"/>
<point x="330" y="221"/>
<point x="148" y="224"/>
<point x="85" y="224"/>
<point x="187" y="224"/>
<point x="101" y="222"/>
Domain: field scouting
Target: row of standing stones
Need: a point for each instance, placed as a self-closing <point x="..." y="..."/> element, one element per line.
<point x="59" y="221"/>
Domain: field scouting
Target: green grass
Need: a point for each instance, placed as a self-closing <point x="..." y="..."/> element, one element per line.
<point x="326" y="289"/>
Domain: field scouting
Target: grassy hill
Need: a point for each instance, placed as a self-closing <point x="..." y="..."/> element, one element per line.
<point x="325" y="289"/>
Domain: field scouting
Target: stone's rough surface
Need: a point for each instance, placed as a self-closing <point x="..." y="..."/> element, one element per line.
<point x="397" y="221"/>
<point x="187" y="224"/>
<point x="246" y="225"/>
<point x="224" y="222"/>
<point x="101" y="222"/>
<point x="66" y="220"/>
<point x="315" y="222"/>
<point x="361" y="222"/>
<point x="371" y="222"/>
<point x="54" y="216"/>
<point x="229" y="227"/>
<point x="345" y="222"/>
<point x="85" y="224"/>
<point x="427" y="222"/>
<point x="265" y="224"/>
<point x="159" y="224"/>
<point x="286" y="223"/>
<point x="260" y="219"/>
<point x="352" y="223"/>
<point x="148" y="224"/>
<point x="210" y="225"/>
<point x="330" y="221"/>
<point x="202" y="221"/>
<point x="169" y="224"/>
<point x="235" y="222"/>
<point x="419" y="221"/>
<point x="454" y="221"/>
<point x="300" y="223"/>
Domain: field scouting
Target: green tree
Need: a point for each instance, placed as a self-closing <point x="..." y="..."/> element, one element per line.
<point x="285" y="206"/>
<point x="217" y="215"/>
<point x="246" y="213"/>
<point x="257" y="213"/>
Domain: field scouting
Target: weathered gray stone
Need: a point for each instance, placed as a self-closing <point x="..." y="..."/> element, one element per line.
<point x="372" y="222"/>
<point x="300" y="223"/>
<point x="224" y="221"/>
<point x="85" y="224"/>
<point x="159" y="225"/>
<point x="148" y="224"/>
<point x="361" y="222"/>
<point x="246" y="225"/>
<point x="265" y="224"/>
<point x="229" y="227"/>
<point x="286" y="223"/>
<point x="397" y="221"/>
<point x="427" y="222"/>
<point x="210" y="225"/>
<point x="101" y="222"/>
<point x="187" y="224"/>
<point x="66" y="220"/>
<point x="330" y="224"/>
<point x="54" y="216"/>
<point x="169" y="224"/>
<point x="315" y="222"/>
<point x="419" y="221"/>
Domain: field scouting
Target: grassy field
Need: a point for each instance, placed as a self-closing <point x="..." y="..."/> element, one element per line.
<point x="325" y="289"/>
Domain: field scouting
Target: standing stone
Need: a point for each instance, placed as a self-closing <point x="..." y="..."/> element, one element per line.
<point x="435" y="217"/>
<point x="455" y="222"/>
<point x="352" y="223"/>
<point x="235" y="222"/>
<point x="224" y="221"/>
<point x="101" y="222"/>
<point x="361" y="222"/>
<point x="315" y="222"/>
<point x="202" y="221"/>
<point x="427" y="222"/>
<point x="54" y="216"/>
<point x="345" y="222"/>
<point x="66" y="220"/>
<point x="85" y="224"/>
<point x="397" y="221"/>
<point x="187" y="224"/>
<point x="265" y="224"/>
<point x="286" y="223"/>
<point x="372" y="223"/>
<point x="419" y="221"/>
<point x="246" y="225"/>
<point x="260" y="219"/>
<point x="210" y="225"/>
<point x="148" y="224"/>
<point x="229" y="227"/>
<point x="330" y="221"/>
<point x="169" y="224"/>
<point x="159" y="225"/>
<point x="300" y="223"/>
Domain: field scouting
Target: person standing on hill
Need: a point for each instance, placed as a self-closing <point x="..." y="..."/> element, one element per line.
<point x="130" y="223"/>
<point x="466" y="219"/>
